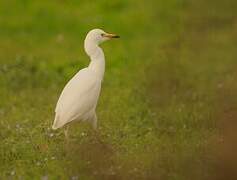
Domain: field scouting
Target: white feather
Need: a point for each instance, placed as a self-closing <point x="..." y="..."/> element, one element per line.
<point x="78" y="98"/>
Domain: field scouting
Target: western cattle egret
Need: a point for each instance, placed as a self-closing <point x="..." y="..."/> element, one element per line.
<point x="79" y="97"/>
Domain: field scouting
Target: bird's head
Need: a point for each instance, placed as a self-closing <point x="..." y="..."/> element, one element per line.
<point x="98" y="36"/>
<point x="94" y="38"/>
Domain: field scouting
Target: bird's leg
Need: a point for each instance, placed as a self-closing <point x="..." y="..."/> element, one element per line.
<point x="95" y="129"/>
<point x="66" y="132"/>
<point x="94" y="121"/>
<point x="96" y="133"/>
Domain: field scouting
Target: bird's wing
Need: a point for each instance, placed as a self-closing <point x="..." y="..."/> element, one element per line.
<point x="78" y="97"/>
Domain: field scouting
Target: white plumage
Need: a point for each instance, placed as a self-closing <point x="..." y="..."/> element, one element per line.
<point x="79" y="97"/>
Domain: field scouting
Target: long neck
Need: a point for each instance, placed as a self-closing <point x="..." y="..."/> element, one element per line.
<point x="97" y="63"/>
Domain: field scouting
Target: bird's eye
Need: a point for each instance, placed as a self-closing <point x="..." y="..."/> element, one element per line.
<point x="102" y="34"/>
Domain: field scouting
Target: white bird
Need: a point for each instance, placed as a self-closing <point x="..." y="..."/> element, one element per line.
<point x="79" y="97"/>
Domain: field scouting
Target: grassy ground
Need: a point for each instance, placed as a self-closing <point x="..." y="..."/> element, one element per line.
<point x="169" y="87"/>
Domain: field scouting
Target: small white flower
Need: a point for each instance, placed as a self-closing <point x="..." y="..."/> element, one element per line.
<point x="12" y="173"/>
<point x="88" y="162"/>
<point x="135" y="169"/>
<point x="83" y="134"/>
<point x="53" y="158"/>
<point x="74" y="178"/>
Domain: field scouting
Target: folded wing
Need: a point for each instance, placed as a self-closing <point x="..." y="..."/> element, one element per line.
<point x="78" y="98"/>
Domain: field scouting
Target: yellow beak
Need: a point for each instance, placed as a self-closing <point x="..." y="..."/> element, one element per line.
<point x="111" y="35"/>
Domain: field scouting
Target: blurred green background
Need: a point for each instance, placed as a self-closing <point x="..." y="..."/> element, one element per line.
<point x="169" y="96"/>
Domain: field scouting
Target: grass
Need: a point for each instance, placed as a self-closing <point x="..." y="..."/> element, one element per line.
<point x="163" y="96"/>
